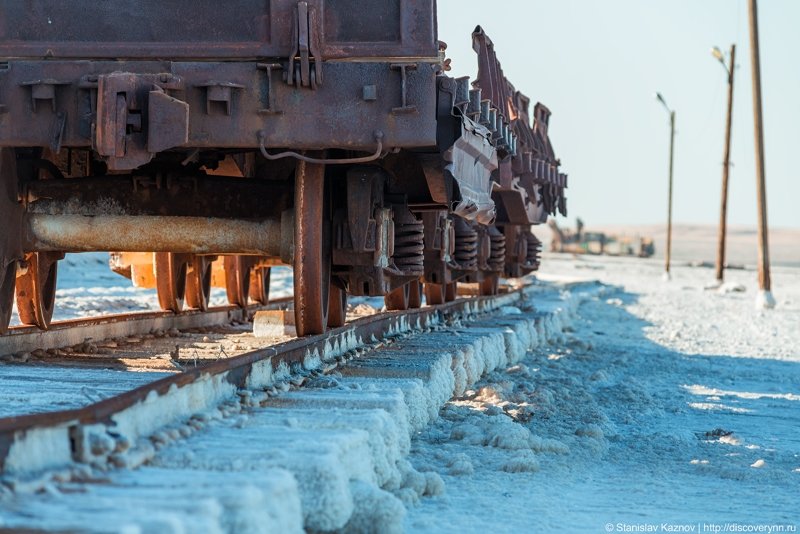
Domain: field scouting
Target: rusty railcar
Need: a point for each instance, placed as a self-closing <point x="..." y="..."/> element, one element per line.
<point x="322" y="134"/>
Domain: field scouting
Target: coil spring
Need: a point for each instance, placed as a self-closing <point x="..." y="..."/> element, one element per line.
<point x="534" y="247"/>
<point x="409" y="245"/>
<point x="497" y="253"/>
<point x="466" y="249"/>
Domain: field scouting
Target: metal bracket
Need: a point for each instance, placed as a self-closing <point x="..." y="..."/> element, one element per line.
<point x="44" y="90"/>
<point x="270" y="108"/>
<point x="306" y="43"/>
<point x="167" y="121"/>
<point x="219" y="92"/>
<point x="404" y="106"/>
<point x="136" y="117"/>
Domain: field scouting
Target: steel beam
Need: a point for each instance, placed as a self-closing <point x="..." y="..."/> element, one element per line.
<point x="145" y="233"/>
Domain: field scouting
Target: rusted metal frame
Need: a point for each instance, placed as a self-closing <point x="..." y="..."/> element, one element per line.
<point x="490" y="75"/>
<point x="196" y="195"/>
<point x="135" y="118"/>
<point x="307" y="119"/>
<point x="237" y="369"/>
<point x="541" y="121"/>
<point x="512" y="207"/>
<point x="249" y="29"/>
<point x="522" y="250"/>
<point x="363" y="231"/>
<point x="530" y="142"/>
<point x="541" y="166"/>
<point x="377" y="241"/>
<point x="500" y="111"/>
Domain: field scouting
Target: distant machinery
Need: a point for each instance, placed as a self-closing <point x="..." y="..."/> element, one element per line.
<point x="580" y="242"/>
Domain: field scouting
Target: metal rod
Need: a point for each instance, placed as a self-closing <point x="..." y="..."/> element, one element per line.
<point x="669" y="202"/>
<point x="764" y="282"/>
<point x="262" y="139"/>
<point x="723" y="213"/>
<point x="197" y="235"/>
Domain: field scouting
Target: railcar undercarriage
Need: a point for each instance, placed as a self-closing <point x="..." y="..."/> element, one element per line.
<point x="377" y="176"/>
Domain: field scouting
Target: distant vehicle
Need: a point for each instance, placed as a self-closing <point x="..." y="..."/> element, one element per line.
<point x="580" y="242"/>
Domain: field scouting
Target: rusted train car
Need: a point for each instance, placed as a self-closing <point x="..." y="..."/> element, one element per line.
<point x="326" y="135"/>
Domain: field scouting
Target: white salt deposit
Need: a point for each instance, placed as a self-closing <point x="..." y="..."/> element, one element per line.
<point x="614" y="402"/>
<point x="650" y="403"/>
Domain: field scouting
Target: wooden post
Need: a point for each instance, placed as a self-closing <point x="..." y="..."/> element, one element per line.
<point x="764" y="282"/>
<point x="723" y="212"/>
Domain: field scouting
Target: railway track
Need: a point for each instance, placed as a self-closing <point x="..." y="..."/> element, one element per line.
<point x="21" y="341"/>
<point x="307" y="434"/>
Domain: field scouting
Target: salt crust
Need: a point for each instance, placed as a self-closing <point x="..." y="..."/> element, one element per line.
<point x="336" y="455"/>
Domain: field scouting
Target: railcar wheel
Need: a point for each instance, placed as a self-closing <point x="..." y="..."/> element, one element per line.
<point x="337" y="306"/>
<point x="259" y="285"/>
<point x="237" y="279"/>
<point x="312" y="250"/>
<point x="414" y="295"/>
<point x="170" y="269"/>
<point x="490" y="285"/>
<point x="397" y="299"/>
<point x="198" y="282"/>
<point x="36" y="289"/>
<point x="450" y="291"/>
<point x="434" y="294"/>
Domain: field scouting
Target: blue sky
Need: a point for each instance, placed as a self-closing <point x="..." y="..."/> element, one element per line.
<point x="596" y="65"/>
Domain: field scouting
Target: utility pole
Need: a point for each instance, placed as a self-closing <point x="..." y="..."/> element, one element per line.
<point x="723" y="212"/>
<point x="765" y="298"/>
<point x="669" y="202"/>
<point x="669" y="194"/>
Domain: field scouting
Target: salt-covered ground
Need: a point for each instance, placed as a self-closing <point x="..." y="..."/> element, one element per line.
<point x="644" y="405"/>
<point x="331" y="456"/>
<point x="666" y="404"/>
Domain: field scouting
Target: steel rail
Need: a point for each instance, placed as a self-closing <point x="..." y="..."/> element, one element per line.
<point x="242" y="371"/>
<point x="73" y="331"/>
